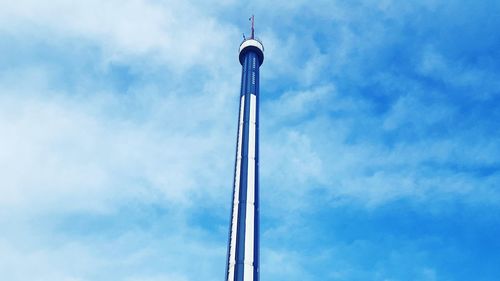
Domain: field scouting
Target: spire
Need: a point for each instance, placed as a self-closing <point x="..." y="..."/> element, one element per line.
<point x="243" y="253"/>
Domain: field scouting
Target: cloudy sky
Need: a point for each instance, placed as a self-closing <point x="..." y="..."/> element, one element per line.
<point x="380" y="145"/>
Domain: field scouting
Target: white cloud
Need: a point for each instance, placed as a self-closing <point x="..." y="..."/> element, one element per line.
<point x="480" y="83"/>
<point x="61" y="150"/>
<point x="176" y="32"/>
<point x="88" y="149"/>
<point x="295" y="105"/>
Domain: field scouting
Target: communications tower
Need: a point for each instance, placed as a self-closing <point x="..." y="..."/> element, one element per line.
<point x="243" y="248"/>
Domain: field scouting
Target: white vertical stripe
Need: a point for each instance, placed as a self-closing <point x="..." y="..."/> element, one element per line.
<point x="248" y="272"/>
<point x="250" y="213"/>
<point x="234" y="219"/>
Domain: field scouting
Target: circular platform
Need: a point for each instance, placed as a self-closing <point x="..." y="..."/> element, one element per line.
<point x="252" y="45"/>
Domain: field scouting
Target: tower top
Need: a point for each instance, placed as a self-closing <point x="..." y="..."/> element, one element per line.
<point x="252" y="44"/>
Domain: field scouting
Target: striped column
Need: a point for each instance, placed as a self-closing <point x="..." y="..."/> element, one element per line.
<point x="243" y="249"/>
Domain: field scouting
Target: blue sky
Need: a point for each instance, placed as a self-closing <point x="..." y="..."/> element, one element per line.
<point x="379" y="139"/>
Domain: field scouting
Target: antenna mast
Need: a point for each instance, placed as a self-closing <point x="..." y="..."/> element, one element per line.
<point x="253" y="30"/>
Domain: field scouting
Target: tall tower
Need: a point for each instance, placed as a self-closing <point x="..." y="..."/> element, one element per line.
<point x="243" y="248"/>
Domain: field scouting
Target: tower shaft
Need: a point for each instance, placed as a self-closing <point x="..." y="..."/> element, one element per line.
<point x="243" y="248"/>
